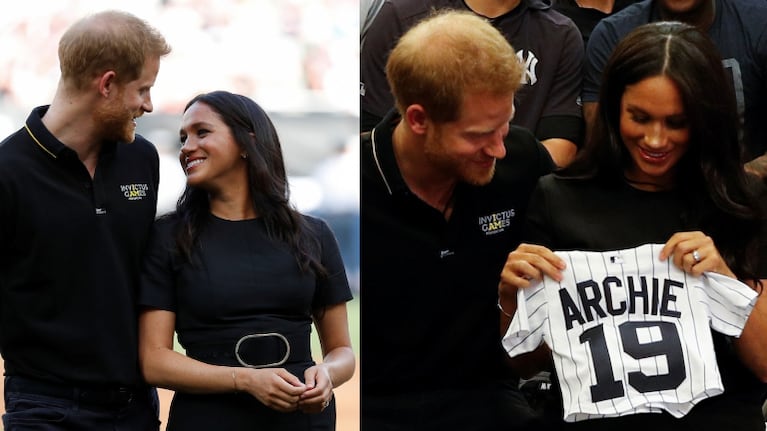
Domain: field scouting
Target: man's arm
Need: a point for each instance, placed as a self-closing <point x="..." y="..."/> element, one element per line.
<point x="562" y="151"/>
<point x="752" y="344"/>
<point x="758" y="166"/>
<point x="589" y="115"/>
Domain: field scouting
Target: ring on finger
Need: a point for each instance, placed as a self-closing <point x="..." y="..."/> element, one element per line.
<point x="696" y="256"/>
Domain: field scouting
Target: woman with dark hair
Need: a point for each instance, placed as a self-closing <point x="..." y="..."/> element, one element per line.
<point x="240" y="276"/>
<point x="663" y="166"/>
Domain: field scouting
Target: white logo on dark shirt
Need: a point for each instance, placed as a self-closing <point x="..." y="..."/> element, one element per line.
<point x="531" y="62"/>
<point x="134" y="192"/>
<point x="492" y="224"/>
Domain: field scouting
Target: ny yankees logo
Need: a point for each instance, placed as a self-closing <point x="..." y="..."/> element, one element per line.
<point x="531" y="62"/>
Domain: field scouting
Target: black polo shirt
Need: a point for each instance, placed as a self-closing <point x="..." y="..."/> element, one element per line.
<point x="70" y="251"/>
<point x="429" y="285"/>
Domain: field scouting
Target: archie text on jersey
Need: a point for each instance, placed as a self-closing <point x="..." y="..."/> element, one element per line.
<point x="597" y="300"/>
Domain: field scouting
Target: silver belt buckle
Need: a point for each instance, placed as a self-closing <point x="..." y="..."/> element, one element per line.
<point x="268" y="334"/>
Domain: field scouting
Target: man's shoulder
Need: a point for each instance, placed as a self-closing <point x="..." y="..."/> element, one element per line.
<point x="140" y="147"/>
<point x="758" y="6"/>
<point x="13" y="153"/>
<point x="411" y="10"/>
<point x="749" y="15"/>
<point x="143" y="143"/>
<point x="366" y="150"/>
<point x="9" y="143"/>
<point x="520" y="135"/>
<point x="522" y="140"/>
<point x="526" y="158"/>
<point x="627" y="19"/>
<point x="551" y="17"/>
<point x="373" y="166"/>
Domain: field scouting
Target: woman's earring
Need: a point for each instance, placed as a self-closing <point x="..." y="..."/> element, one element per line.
<point x="244" y="155"/>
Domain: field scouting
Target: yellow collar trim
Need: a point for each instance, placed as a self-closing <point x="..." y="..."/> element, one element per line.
<point x="38" y="142"/>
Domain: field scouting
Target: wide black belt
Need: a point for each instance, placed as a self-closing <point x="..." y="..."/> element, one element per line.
<point x="102" y="396"/>
<point x="258" y="350"/>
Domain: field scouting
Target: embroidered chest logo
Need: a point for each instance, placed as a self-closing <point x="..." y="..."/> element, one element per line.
<point x="495" y="223"/>
<point x="531" y="62"/>
<point x="134" y="192"/>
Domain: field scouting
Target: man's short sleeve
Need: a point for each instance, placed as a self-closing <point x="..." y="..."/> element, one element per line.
<point x="562" y="105"/>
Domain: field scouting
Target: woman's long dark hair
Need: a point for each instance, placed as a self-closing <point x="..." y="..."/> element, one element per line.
<point x="254" y="132"/>
<point x="711" y="173"/>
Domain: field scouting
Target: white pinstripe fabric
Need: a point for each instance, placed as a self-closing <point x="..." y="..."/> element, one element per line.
<point x="641" y="346"/>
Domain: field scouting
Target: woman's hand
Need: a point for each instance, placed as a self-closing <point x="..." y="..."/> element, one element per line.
<point x="695" y="253"/>
<point x="319" y="390"/>
<point x="276" y="388"/>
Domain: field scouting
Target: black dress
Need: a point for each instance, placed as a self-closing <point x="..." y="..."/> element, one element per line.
<point x="241" y="285"/>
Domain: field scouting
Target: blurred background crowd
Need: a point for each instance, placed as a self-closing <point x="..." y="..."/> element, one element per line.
<point x="297" y="58"/>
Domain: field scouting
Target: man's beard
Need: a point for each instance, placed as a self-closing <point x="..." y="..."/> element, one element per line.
<point x="460" y="168"/>
<point x="115" y="122"/>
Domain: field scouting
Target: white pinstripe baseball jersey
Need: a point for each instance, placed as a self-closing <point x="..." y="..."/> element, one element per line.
<point x="629" y="333"/>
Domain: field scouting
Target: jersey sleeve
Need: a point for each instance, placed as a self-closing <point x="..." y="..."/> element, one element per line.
<point x="730" y="303"/>
<point x="527" y="327"/>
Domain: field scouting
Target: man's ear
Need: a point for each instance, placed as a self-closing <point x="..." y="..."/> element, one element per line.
<point x="417" y="119"/>
<point x="107" y="82"/>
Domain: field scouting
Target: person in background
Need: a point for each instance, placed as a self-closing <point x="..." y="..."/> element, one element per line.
<point x="586" y="14"/>
<point x="737" y="29"/>
<point x="241" y="276"/>
<point x="444" y="186"/>
<point x="78" y="195"/>
<point x="548" y="44"/>
<point x="662" y="166"/>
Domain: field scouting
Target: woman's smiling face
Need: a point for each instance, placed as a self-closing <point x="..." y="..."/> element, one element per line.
<point x="655" y="131"/>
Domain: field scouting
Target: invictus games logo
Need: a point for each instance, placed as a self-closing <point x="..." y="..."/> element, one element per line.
<point x="134" y="192"/>
<point x="492" y="224"/>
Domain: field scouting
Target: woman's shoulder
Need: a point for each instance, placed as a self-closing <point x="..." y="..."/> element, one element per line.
<point x="579" y="191"/>
<point x="166" y="224"/>
<point x="554" y="181"/>
<point x="316" y="225"/>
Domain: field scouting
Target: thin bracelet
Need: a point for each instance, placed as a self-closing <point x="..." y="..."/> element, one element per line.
<point x="234" y="379"/>
<point x="504" y="311"/>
